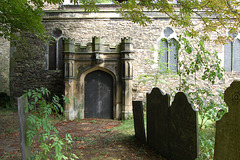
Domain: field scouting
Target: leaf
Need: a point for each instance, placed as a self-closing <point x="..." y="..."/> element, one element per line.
<point x="81" y="147"/>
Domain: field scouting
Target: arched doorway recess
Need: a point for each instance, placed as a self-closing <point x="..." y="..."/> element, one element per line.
<point x="98" y="79"/>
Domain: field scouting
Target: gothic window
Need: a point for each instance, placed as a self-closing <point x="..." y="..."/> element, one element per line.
<point x="55" y="56"/>
<point x="232" y="56"/>
<point x="168" y="51"/>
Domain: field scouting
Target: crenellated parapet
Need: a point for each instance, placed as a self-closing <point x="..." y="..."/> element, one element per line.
<point x="126" y="44"/>
<point x="69" y="45"/>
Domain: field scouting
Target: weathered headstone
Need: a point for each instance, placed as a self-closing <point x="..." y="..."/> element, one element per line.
<point x="157" y="120"/>
<point x="227" y="140"/>
<point x="172" y="130"/>
<point x="139" y="121"/>
<point x="152" y="103"/>
<point x="25" y="150"/>
<point x="183" y="129"/>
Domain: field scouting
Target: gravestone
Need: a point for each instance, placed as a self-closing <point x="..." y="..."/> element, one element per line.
<point x="25" y="150"/>
<point x="172" y="130"/>
<point x="227" y="144"/>
<point x="183" y="129"/>
<point x="139" y="121"/>
<point x="157" y="120"/>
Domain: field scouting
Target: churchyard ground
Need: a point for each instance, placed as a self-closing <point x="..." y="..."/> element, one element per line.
<point x="93" y="139"/>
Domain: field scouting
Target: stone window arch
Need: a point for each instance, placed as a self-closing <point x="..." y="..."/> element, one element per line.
<point x="55" y="56"/>
<point x="232" y="55"/>
<point x="168" y="52"/>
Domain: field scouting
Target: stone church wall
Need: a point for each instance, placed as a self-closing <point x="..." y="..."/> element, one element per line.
<point x="28" y="63"/>
<point x="4" y="65"/>
<point x="27" y="68"/>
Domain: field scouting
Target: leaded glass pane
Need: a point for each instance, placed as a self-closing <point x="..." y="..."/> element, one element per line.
<point x="236" y="56"/>
<point x="228" y="56"/>
<point x="173" y="62"/>
<point x="163" y="54"/>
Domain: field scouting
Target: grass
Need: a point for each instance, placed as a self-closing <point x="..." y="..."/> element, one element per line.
<point x="125" y="131"/>
<point x="126" y="127"/>
<point x="9" y="121"/>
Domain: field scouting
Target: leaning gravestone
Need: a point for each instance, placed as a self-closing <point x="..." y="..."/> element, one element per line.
<point x="157" y="120"/>
<point x="183" y="129"/>
<point x="139" y="121"/>
<point x="227" y="140"/>
<point x="25" y="150"/>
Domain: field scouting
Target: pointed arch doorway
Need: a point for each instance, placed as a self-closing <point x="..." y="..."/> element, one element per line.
<point x="98" y="99"/>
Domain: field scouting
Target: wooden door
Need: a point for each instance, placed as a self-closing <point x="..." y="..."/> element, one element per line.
<point x="98" y="102"/>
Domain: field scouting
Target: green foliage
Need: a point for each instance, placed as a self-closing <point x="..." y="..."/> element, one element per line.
<point x="22" y="15"/>
<point x="207" y="140"/>
<point x="25" y="15"/>
<point x="181" y="12"/>
<point x="204" y="69"/>
<point x="39" y="127"/>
